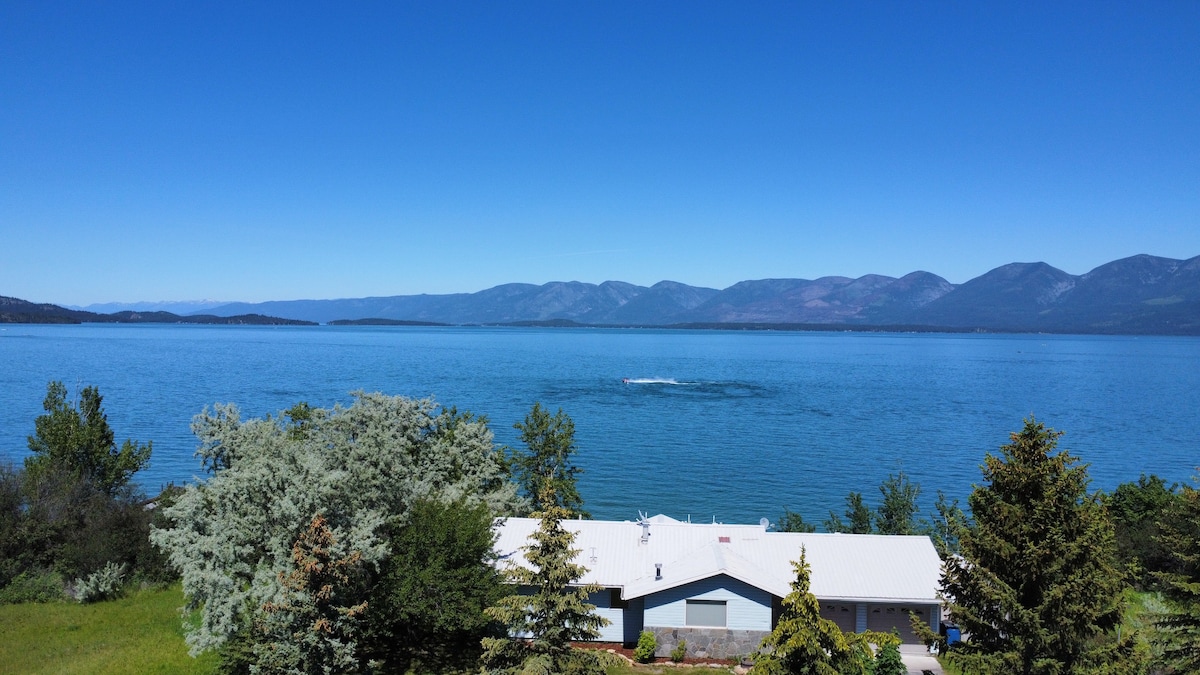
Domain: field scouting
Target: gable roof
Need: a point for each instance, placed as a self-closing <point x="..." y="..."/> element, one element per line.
<point x="847" y="567"/>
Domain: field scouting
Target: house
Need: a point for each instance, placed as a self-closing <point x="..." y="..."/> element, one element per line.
<point x="719" y="587"/>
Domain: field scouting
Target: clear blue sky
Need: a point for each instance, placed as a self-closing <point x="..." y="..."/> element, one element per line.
<point x="257" y="151"/>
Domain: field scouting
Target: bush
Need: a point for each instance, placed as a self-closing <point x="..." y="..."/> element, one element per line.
<point x="647" y="644"/>
<point x="679" y="652"/>
<point x="608" y="660"/>
<point x="105" y="583"/>
<point x="888" y="661"/>
<point x="33" y="587"/>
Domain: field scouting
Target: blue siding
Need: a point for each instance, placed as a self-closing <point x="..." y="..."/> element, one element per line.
<point x="615" y="630"/>
<point x="747" y="607"/>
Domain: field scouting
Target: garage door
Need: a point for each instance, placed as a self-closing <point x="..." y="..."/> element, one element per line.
<point x="842" y="615"/>
<point x="884" y="618"/>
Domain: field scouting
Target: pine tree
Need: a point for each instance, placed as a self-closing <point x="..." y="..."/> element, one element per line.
<point x="791" y="521"/>
<point x="555" y="614"/>
<point x="313" y="628"/>
<point x="1037" y="587"/>
<point x="1178" y="630"/>
<point x="858" y="514"/>
<point x="803" y="642"/>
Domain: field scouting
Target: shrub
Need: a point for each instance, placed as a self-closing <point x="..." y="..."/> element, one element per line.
<point x="679" y="652"/>
<point x="647" y="643"/>
<point x="609" y="660"/>
<point x="32" y="587"/>
<point x="888" y="661"/>
<point x="105" y="583"/>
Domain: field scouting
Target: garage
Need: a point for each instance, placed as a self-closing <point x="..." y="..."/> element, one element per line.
<point x="841" y="614"/>
<point x="884" y="618"/>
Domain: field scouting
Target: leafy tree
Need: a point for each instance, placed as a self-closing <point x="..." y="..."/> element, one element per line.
<point x="803" y="642"/>
<point x="361" y="467"/>
<point x="857" y="513"/>
<point x="1037" y="587"/>
<point x="791" y="521"/>
<point x="946" y="525"/>
<point x="897" y="512"/>
<point x="78" y="439"/>
<point x="72" y="510"/>
<point x="1178" y="630"/>
<point x="556" y="613"/>
<point x="312" y="627"/>
<point x="888" y="661"/>
<point x="1135" y="509"/>
<point x="426" y="609"/>
<point x="550" y="440"/>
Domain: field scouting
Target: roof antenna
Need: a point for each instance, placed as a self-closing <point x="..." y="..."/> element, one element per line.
<point x="645" y="523"/>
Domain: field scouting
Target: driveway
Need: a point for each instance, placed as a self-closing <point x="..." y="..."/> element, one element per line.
<point x="918" y="660"/>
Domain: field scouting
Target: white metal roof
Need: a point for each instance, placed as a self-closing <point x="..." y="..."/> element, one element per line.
<point x="849" y="567"/>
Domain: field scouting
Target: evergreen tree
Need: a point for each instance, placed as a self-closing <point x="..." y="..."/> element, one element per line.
<point x="1037" y="587"/>
<point x="857" y="513"/>
<point x="79" y="440"/>
<point x="555" y="614"/>
<point x="803" y="643"/>
<point x="313" y="627"/>
<point x="791" y="521"/>
<point x="897" y="512"/>
<point x="1178" y="631"/>
<point x="550" y="440"/>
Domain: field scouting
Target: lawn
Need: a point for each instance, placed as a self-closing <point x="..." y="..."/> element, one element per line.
<point x="137" y="634"/>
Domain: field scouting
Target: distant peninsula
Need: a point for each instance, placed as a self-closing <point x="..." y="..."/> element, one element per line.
<point x="14" y="310"/>
<point x="1138" y="295"/>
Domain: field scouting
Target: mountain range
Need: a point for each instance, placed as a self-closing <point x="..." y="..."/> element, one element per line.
<point x="1142" y="294"/>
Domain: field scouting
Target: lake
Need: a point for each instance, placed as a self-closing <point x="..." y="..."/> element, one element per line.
<point x="724" y="425"/>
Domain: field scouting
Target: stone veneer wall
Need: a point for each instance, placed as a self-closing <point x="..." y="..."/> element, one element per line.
<point x="713" y="643"/>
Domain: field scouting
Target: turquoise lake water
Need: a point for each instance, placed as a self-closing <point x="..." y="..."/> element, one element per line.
<point x="729" y="425"/>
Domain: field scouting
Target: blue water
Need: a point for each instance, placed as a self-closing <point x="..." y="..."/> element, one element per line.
<point x="745" y="423"/>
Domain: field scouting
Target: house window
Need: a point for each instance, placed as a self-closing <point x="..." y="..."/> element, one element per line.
<point x="705" y="613"/>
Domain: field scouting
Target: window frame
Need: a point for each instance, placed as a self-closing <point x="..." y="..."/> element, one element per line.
<point x="689" y="619"/>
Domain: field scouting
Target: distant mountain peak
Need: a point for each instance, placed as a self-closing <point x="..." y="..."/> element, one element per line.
<point x="1138" y="294"/>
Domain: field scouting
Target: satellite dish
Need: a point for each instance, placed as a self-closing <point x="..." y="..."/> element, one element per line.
<point x="764" y="523"/>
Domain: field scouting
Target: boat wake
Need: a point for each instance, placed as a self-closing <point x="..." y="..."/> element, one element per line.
<point x="669" y="386"/>
<point x="652" y="380"/>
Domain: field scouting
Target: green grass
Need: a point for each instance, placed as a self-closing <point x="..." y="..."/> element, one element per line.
<point x="137" y="634"/>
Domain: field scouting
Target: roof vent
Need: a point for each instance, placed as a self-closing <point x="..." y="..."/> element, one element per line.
<point x="645" y="523"/>
<point x="658" y="571"/>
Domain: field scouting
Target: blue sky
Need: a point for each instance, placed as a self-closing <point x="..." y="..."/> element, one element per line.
<point x="257" y="151"/>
